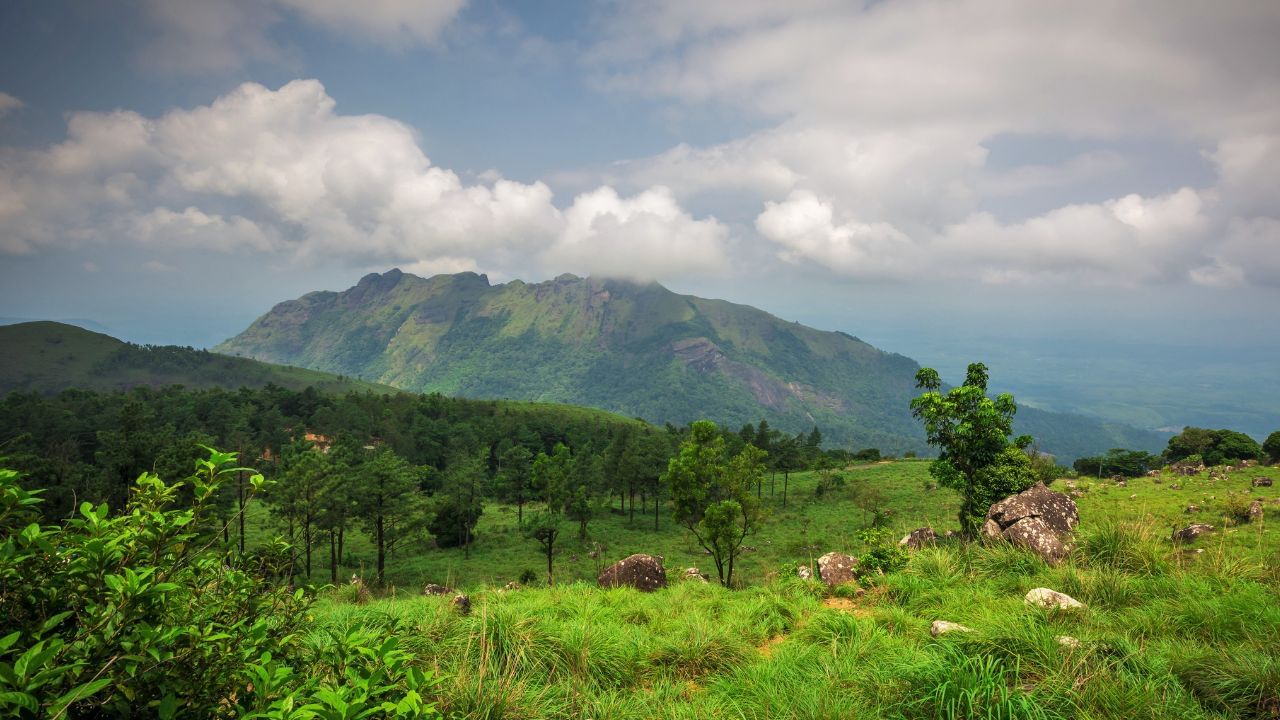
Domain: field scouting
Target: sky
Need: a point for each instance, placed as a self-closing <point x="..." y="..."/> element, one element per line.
<point x="925" y="174"/>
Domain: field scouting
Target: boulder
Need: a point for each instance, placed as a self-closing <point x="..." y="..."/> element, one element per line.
<point x="462" y="604"/>
<point x="1038" y="519"/>
<point x="1191" y="532"/>
<point x="640" y="571"/>
<point x="1255" y="511"/>
<point x="434" y="589"/>
<point x="837" y="568"/>
<point x="942" y="627"/>
<point x="1262" y="482"/>
<point x="1052" y="600"/>
<point x="919" y="538"/>
<point x="692" y="573"/>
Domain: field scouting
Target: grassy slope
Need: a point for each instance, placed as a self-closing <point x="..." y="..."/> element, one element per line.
<point x="640" y="350"/>
<point x="1168" y="633"/>
<point x="49" y="357"/>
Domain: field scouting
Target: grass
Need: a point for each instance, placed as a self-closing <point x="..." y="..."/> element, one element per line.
<point x="1169" y="632"/>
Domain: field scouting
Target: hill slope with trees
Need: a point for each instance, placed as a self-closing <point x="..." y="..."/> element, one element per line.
<point x="636" y="349"/>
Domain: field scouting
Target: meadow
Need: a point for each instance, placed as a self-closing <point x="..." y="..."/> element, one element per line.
<point x="1168" y="632"/>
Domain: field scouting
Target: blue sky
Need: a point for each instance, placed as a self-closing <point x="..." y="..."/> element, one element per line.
<point x="909" y="171"/>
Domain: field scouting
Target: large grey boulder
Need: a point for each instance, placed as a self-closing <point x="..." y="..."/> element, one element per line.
<point x="837" y="568"/>
<point x="1037" y="518"/>
<point x="640" y="571"/>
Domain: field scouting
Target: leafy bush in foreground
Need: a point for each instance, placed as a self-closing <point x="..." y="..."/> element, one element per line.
<point x="146" y="613"/>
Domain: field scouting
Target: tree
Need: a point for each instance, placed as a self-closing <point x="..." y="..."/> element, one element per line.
<point x="544" y="526"/>
<point x="459" y="505"/>
<point x="1271" y="446"/>
<point x="711" y="494"/>
<point x="972" y="431"/>
<point x="1215" y="447"/>
<point x="390" y="496"/>
<point x="514" y="478"/>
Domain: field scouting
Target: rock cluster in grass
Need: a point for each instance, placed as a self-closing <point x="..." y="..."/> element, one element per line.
<point x="434" y="589"/>
<point x="640" y="571"/>
<point x="1038" y="519"/>
<point x="918" y="538"/>
<point x="837" y="568"/>
<point x="1191" y="532"/>
<point x="693" y="573"/>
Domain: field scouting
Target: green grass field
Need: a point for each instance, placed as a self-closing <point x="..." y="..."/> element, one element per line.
<point x="1168" y="632"/>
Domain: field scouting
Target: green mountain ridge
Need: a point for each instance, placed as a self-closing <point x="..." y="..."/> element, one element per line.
<point x="49" y="357"/>
<point x="637" y="349"/>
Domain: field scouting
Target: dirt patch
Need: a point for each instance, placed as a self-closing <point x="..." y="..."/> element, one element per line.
<point x="766" y="647"/>
<point x="846" y="605"/>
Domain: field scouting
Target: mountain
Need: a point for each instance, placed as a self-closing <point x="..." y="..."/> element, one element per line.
<point x="633" y="348"/>
<point x="49" y="357"/>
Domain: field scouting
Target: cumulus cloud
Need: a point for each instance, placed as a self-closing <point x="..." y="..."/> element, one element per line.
<point x="642" y="237"/>
<point x="282" y="171"/>
<point x="877" y="161"/>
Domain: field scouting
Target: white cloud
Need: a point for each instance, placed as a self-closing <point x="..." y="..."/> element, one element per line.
<point x="158" y="266"/>
<point x="642" y="237"/>
<point x="877" y="163"/>
<point x="804" y="226"/>
<point x="982" y="65"/>
<point x="8" y="104"/>
<point x="281" y="171"/>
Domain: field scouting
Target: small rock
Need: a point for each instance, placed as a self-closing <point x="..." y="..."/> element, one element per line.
<point x="942" y="627"/>
<point x="804" y="572"/>
<point x="462" y="604"/>
<point x="1052" y="600"/>
<point x="1262" y="482"/>
<point x="1157" y="479"/>
<point x="1067" y="641"/>
<point x="918" y="538"/>
<point x="1193" y="508"/>
<point x="1122" y="483"/>
<point x="511" y="586"/>
<point x="434" y="589"/>
<point x="1133" y="496"/>
<point x="640" y="571"/>
<point x="692" y="573"/>
<point x="1255" y="511"/>
<point x="837" y="568"/>
<point x="1191" y="532"/>
<point x="1175" y="486"/>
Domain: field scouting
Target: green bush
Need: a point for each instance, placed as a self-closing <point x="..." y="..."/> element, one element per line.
<point x="148" y="613"/>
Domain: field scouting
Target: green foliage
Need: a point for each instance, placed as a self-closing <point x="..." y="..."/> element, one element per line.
<point x="972" y="431"/>
<point x="147" y="613"/>
<point x="712" y="496"/>
<point x="882" y="555"/>
<point x="1117" y="461"/>
<point x="1215" y="447"/>
<point x="1271" y="447"/>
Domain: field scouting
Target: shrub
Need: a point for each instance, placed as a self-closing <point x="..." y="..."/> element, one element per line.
<point x="147" y="613"/>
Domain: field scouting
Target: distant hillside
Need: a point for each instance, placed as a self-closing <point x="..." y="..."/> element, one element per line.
<point x="49" y="357"/>
<point x="635" y="349"/>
